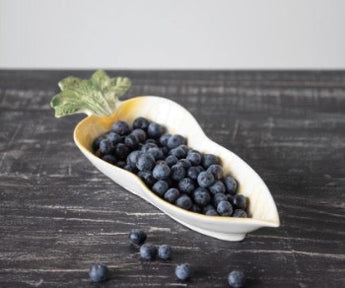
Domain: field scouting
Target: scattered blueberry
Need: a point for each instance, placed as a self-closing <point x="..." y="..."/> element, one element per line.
<point x="137" y="236"/>
<point x="184" y="201"/>
<point x="205" y="179"/>
<point x="164" y="252"/>
<point x="171" y="195"/>
<point x="148" y="252"/>
<point x="184" y="271"/>
<point x="98" y="273"/>
<point x="236" y="279"/>
<point x="121" y="128"/>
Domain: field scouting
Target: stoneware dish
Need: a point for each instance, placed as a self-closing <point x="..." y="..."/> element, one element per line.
<point x="262" y="209"/>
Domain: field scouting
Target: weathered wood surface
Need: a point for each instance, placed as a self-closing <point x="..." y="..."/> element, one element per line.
<point x="58" y="214"/>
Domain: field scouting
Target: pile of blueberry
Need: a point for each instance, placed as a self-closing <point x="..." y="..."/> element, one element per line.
<point x="149" y="252"/>
<point x="172" y="170"/>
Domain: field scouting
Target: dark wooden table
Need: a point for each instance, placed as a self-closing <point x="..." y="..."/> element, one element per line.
<point x="58" y="214"/>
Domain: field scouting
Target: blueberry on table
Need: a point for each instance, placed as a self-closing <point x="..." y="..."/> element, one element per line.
<point x="209" y="159"/>
<point x="171" y="195"/>
<point x="161" y="171"/>
<point x="175" y="141"/>
<point x="194" y="158"/>
<point x="121" y="128"/>
<point x="148" y="252"/>
<point x="186" y="185"/>
<point x="137" y="236"/>
<point x="145" y="162"/>
<point x="205" y="179"/>
<point x="178" y="172"/>
<point x="239" y="213"/>
<point x="160" y="187"/>
<point x="155" y="130"/>
<point x="201" y="196"/>
<point x="164" y="252"/>
<point x="184" y="271"/>
<point x="236" y="279"/>
<point x="217" y="187"/>
<point x="184" y="201"/>
<point x="141" y="123"/>
<point x="122" y="151"/>
<point x="217" y="171"/>
<point x="240" y="201"/>
<point x="171" y="160"/>
<point x="109" y="158"/>
<point x="98" y="273"/>
<point x="231" y="185"/>
<point x="194" y="171"/>
<point x="224" y="208"/>
<point x="164" y="139"/>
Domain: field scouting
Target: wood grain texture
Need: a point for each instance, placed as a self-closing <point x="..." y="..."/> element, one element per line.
<point x="58" y="214"/>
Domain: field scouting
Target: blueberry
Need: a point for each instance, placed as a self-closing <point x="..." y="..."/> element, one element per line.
<point x="140" y="134"/>
<point x="132" y="141"/>
<point x="106" y="147"/>
<point x="165" y="150"/>
<point x="148" y="146"/>
<point x="239" y="213"/>
<point x="152" y="141"/>
<point x="164" y="252"/>
<point x="122" y="151"/>
<point x="194" y="171"/>
<point x="217" y="198"/>
<point x="147" y="177"/>
<point x="137" y="236"/>
<point x="156" y="152"/>
<point x="184" y="202"/>
<point x="96" y="142"/>
<point x="209" y="159"/>
<point x="164" y="139"/>
<point x="201" y="196"/>
<point x="109" y="158"/>
<point x="186" y="185"/>
<point x="98" y="273"/>
<point x="179" y="152"/>
<point x="184" y="271"/>
<point x="217" y="171"/>
<point x="211" y="212"/>
<point x="161" y="171"/>
<point x="177" y="172"/>
<point x="171" y="195"/>
<point x="240" y="201"/>
<point x="231" y="185"/>
<point x="185" y="148"/>
<point x="195" y="208"/>
<point x="160" y="187"/>
<point x="121" y="128"/>
<point x="217" y="187"/>
<point x="145" y="162"/>
<point x="114" y="138"/>
<point x="205" y="179"/>
<point x="175" y="141"/>
<point x="224" y="208"/>
<point x="132" y="158"/>
<point x="141" y="123"/>
<point x="155" y="130"/>
<point x="130" y="169"/>
<point x="208" y="207"/>
<point x="194" y="158"/>
<point x="171" y="160"/>
<point x="121" y="164"/>
<point x="236" y="279"/>
<point x="148" y="252"/>
<point x="185" y="163"/>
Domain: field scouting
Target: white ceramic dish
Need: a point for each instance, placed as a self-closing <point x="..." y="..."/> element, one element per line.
<point x="176" y="119"/>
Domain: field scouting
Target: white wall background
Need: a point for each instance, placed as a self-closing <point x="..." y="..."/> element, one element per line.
<point x="158" y="34"/>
